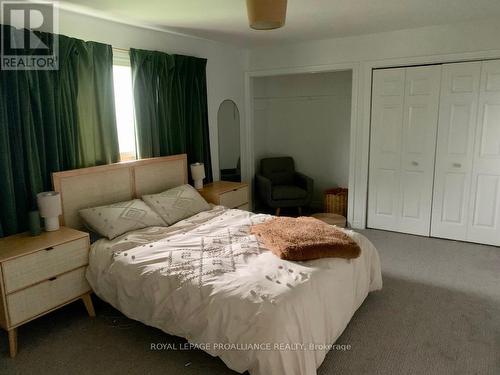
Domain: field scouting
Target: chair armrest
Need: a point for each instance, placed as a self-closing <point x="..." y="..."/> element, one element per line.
<point x="305" y="182"/>
<point x="264" y="187"/>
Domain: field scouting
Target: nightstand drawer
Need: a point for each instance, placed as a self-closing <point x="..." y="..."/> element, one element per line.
<point x="38" y="299"/>
<point x="244" y="207"/>
<point x="35" y="267"/>
<point x="234" y="198"/>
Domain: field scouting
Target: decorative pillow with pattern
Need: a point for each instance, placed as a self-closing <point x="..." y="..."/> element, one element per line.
<point x="118" y="218"/>
<point x="177" y="204"/>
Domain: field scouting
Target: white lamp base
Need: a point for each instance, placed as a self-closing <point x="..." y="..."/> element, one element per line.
<point x="51" y="223"/>
<point x="198" y="184"/>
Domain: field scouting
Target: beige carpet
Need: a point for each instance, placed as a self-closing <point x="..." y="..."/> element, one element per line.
<point x="439" y="313"/>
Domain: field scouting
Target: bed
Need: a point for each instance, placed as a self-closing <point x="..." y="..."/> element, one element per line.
<point x="208" y="280"/>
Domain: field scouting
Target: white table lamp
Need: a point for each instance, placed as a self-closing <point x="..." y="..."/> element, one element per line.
<point x="198" y="174"/>
<point x="49" y="205"/>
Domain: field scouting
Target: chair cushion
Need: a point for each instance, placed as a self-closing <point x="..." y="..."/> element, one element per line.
<point x="288" y="192"/>
<point x="279" y="170"/>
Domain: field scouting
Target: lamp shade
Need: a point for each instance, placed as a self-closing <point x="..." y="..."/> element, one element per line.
<point x="266" y="14"/>
<point x="198" y="174"/>
<point x="49" y="205"/>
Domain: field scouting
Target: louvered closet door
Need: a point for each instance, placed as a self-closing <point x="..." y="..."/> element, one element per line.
<point x="402" y="149"/>
<point x="455" y="149"/>
<point x="484" y="205"/>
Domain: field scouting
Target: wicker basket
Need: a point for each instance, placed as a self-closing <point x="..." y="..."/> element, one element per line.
<point x="336" y="201"/>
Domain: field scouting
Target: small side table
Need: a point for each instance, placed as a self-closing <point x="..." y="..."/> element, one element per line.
<point x="227" y="193"/>
<point x="40" y="274"/>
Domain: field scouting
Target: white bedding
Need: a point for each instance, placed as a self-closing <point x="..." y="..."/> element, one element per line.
<point x="208" y="280"/>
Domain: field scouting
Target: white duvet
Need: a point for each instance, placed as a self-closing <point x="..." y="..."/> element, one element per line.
<point x="208" y="280"/>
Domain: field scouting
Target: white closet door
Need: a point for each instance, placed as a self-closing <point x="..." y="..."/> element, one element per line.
<point x="455" y="149"/>
<point x="420" y="117"/>
<point x="385" y="148"/>
<point x="484" y="207"/>
<point x="403" y="140"/>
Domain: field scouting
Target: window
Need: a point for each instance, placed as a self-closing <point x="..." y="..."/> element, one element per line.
<point x="124" y="107"/>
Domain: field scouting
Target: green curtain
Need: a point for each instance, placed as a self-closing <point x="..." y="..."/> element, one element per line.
<point x="52" y="121"/>
<point x="170" y="98"/>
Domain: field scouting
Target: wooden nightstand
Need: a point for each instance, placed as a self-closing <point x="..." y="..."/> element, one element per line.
<point x="40" y="274"/>
<point x="226" y="193"/>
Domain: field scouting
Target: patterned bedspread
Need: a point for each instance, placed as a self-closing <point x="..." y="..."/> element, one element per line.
<point x="209" y="280"/>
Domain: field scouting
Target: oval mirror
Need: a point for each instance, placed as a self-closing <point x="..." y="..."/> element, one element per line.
<point x="228" y="121"/>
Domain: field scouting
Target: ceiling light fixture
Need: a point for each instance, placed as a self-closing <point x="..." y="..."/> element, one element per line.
<point x="266" y="14"/>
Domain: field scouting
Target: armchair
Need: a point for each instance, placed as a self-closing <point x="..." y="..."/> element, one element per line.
<point x="280" y="186"/>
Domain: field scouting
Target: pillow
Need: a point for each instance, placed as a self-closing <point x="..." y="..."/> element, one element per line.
<point x="177" y="204"/>
<point x="116" y="219"/>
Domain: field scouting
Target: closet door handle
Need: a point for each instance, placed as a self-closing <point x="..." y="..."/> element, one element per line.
<point x="414" y="163"/>
<point x="457" y="165"/>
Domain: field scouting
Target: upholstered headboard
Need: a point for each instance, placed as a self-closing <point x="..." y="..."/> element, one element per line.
<point x="106" y="184"/>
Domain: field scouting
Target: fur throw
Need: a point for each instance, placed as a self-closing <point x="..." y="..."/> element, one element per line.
<point x="305" y="238"/>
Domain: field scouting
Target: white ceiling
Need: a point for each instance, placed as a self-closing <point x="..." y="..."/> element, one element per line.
<point x="225" y="20"/>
